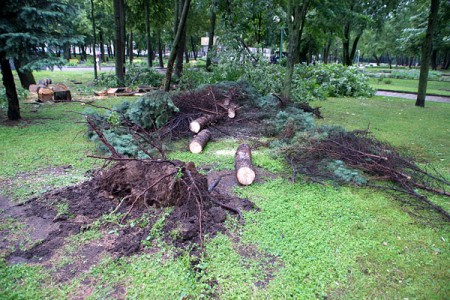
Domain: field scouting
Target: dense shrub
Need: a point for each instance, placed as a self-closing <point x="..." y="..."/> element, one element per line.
<point x="309" y="82"/>
<point x="149" y="112"/>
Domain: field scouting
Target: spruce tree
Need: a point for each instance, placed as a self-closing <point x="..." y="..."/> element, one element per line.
<point x="31" y="33"/>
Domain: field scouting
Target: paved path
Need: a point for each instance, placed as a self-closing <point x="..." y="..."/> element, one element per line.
<point x="412" y="96"/>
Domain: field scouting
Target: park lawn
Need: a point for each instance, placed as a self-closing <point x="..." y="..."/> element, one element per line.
<point x="306" y="241"/>
<point x="441" y="88"/>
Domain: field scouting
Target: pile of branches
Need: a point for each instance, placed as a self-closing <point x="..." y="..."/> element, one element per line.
<point x="216" y="102"/>
<point x="333" y="153"/>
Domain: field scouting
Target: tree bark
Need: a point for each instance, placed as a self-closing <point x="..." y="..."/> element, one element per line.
<point x="434" y="59"/>
<point x="130" y="48"/>
<point x="10" y="87"/>
<point x="199" y="142"/>
<point x="426" y="52"/>
<point x="182" y="46"/>
<point x="94" y="41"/>
<point x="119" y="49"/>
<point x="295" y="30"/>
<point x="176" y="45"/>
<point x="212" y="28"/>
<point x="160" y="51"/>
<point x="197" y="125"/>
<point x="25" y="76"/>
<point x="102" y="45"/>
<point x="147" y="34"/>
<point x="243" y="166"/>
<point x="194" y="50"/>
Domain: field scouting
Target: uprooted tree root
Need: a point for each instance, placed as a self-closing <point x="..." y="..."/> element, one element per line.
<point x="144" y="183"/>
<point x="377" y="159"/>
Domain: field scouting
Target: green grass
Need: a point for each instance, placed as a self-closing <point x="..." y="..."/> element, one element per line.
<point x="423" y="131"/>
<point x="441" y="88"/>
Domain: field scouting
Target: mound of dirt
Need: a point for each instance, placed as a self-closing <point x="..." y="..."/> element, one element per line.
<point x="131" y="190"/>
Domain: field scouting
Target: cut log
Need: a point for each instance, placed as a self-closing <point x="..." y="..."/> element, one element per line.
<point x="61" y="92"/>
<point x="45" y="94"/>
<point x="33" y="88"/>
<point x="232" y="111"/>
<point x="243" y="166"/>
<point x="199" y="142"/>
<point x="196" y="125"/>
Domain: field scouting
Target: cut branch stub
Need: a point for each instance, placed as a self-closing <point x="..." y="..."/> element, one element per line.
<point x="200" y="141"/>
<point x="196" y="125"/>
<point x="232" y="111"/>
<point x="243" y="166"/>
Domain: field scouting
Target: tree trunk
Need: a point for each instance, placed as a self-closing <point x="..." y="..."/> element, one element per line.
<point x="194" y="50"/>
<point x="243" y="166"/>
<point x="94" y="41"/>
<point x="326" y="51"/>
<point x="119" y="49"/>
<point x="426" y="51"/>
<point x="176" y="45"/>
<point x="295" y="30"/>
<point x="434" y="59"/>
<point x="160" y="50"/>
<point x="212" y="28"/>
<point x="180" y="52"/>
<point x="377" y="59"/>
<point x="446" y="61"/>
<point x="199" y="142"/>
<point x="102" y="45"/>
<point x="147" y="34"/>
<point x="10" y="87"/>
<point x="130" y="47"/>
<point x="25" y="76"/>
<point x="197" y="125"/>
<point x="389" y="60"/>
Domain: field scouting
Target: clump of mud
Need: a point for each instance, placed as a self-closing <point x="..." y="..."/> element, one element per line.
<point x="131" y="190"/>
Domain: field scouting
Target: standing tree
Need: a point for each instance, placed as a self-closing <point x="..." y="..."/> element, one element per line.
<point x="176" y="44"/>
<point x="426" y="53"/>
<point x="296" y="18"/>
<point x="119" y="44"/>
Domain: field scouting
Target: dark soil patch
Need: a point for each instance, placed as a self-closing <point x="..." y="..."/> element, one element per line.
<point x="131" y="189"/>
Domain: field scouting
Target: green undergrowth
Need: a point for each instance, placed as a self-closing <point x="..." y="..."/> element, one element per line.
<point x="343" y="243"/>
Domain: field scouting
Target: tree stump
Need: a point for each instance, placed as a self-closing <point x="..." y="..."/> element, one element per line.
<point x="196" y="125"/>
<point x="199" y="142"/>
<point x="243" y="166"/>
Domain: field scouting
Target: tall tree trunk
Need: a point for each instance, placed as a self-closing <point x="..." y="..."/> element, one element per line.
<point x="389" y="60"/>
<point x="67" y="54"/>
<point x="10" y="87"/>
<point x="295" y="29"/>
<point x="73" y="51"/>
<point x="25" y="76"/>
<point x="426" y="51"/>
<point x="180" y="53"/>
<point x="176" y="45"/>
<point x="147" y="34"/>
<point x="102" y="45"/>
<point x="212" y="29"/>
<point x="94" y="41"/>
<point x="186" y="54"/>
<point x="119" y="48"/>
<point x="194" y="50"/>
<point x="377" y="59"/>
<point x="160" y="50"/>
<point x="346" y="45"/>
<point x="434" y="59"/>
<point x="326" y="51"/>
<point x="130" y="47"/>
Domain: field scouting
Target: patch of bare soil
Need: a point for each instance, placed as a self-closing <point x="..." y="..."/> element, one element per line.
<point x="133" y="190"/>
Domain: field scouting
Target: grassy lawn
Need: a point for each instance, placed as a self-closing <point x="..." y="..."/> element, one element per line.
<point x="306" y="241"/>
<point x="441" y="88"/>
